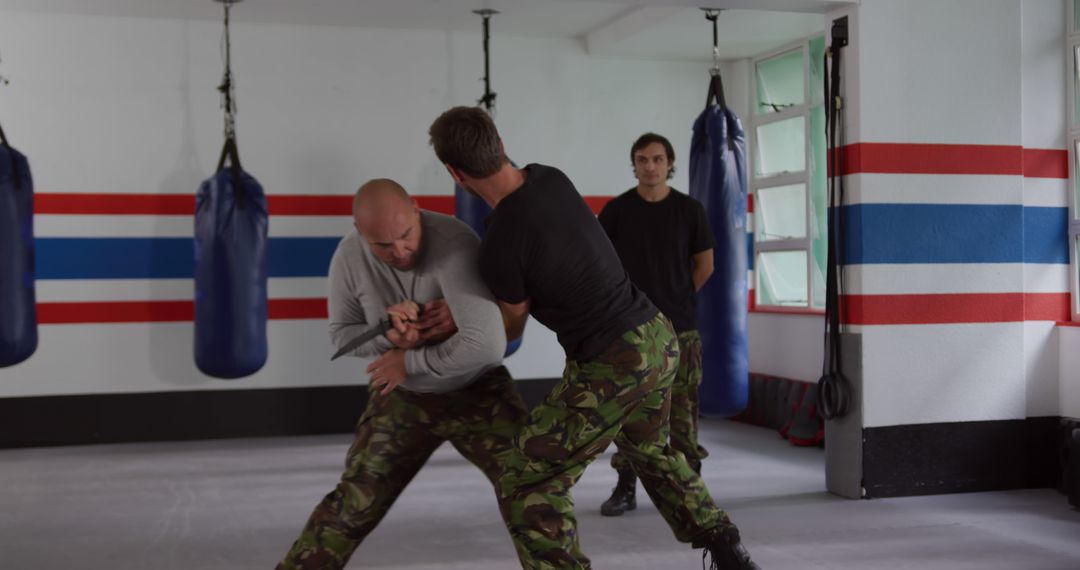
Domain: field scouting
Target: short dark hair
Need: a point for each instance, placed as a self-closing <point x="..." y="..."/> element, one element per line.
<point x="466" y="138"/>
<point x="649" y="138"/>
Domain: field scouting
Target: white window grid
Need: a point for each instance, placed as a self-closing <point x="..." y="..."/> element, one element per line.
<point x="804" y="177"/>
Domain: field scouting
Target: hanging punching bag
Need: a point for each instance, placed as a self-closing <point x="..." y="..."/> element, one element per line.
<point x="18" y="311"/>
<point x="230" y="271"/>
<point x="473" y="211"/>
<point x="718" y="181"/>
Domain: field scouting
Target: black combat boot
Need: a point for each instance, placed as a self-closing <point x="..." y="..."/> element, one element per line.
<point x="622" y="496"/>
<point x="727" y="551"/>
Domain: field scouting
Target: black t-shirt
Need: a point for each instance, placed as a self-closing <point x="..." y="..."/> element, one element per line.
<point x="655" y="241"/>
<point x="543" y="243"/>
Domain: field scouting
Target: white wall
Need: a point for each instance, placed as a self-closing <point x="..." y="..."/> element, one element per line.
<point x="129" y="105"/>
<point x="1044" y="102"/>
<point x="940" y="73"/>
<point x="1069" y="362"/>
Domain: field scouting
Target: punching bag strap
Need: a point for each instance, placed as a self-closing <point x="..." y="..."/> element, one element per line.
<point x="14" y="163"/>
<point x="488" y="98"/>
<point x="230" y="151"/>
<point x="716" y="84"/>
<point x="228" y="102"/>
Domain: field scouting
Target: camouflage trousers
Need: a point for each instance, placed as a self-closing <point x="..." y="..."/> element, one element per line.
<point x="622" y="395"/>
<point x="684" y="405"/>
<point x="394" y="438"/>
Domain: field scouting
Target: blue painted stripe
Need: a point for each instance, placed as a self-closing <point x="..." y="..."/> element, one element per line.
<point x="1046" y="235"/>
<point x="955" y="233"/>
<point x="167" y="258"/>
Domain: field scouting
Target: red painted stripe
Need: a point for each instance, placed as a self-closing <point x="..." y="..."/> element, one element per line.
<point x="955" y="308"/>
<point x="303" y="308"/>
<point x="905" y="158"/>
<point x="184" y="204"/>
<point x="597" y="203"/>
<point x="115" y="312"/>
<point x="1046" y="163"/>
<point x="162" y="311"/>
<point x="77" y="203"/>
<point x="1047" y="306"/>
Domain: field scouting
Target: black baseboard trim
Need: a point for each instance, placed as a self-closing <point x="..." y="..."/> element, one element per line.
<point x="961" y="457"/>
<point x="179" y="416"/>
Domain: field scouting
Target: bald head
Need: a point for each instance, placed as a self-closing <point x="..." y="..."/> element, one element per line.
<point x="389" y="220"/>
<point x="379" y="196"/>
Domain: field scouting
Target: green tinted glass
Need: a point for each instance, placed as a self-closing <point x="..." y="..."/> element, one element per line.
<point x="780" y="82"/>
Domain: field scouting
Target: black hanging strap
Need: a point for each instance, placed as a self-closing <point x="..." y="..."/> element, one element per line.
<point x="834" y="392"/>
<point x="716" y="83"/>
<point x="14" y="163"/>
<point x="488" y="99"/>
<point x="230" y="149"/>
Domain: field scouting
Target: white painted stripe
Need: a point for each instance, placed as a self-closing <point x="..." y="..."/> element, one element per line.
<point x="918" y="279"/>
<point x="52" y="225"/>
<point x="64" y="290"/>
<point x="943" y="373"/>
<point x="921" y="279"/>
<point x="1046" y="192"/>
<point x="1046" y="278"/>
<point x="933" y="189"/>
<point x="157" y="357"/>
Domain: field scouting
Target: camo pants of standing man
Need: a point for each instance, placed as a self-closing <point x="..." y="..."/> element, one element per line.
<point x="622" y="395"/>
<point x="684" y="405"/>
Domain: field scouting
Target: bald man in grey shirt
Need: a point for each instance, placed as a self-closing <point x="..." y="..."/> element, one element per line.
<point x="437" y="374"/>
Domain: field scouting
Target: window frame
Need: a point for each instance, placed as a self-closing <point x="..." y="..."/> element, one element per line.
<point x="804" y="177"/>
<point x="1072" y="72"/>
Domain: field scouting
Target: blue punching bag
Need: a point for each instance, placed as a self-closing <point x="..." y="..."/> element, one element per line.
<point x="473" y="211"/>
<point x="230" y="271"/>
<point x="718" y="181"/>
<point x="18" y="311"/>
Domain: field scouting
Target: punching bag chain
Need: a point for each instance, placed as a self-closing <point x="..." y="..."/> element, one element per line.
<point x="7" y="147"/>
<point x="3" y="80"/>
<point x="713" y="15"/>
<point x="488" y="99"/>
<point x="228" y="102"/>
<point x="228" y="96"/>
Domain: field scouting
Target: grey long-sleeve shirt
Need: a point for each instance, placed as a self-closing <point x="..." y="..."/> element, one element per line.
<point x="362" y="287"/>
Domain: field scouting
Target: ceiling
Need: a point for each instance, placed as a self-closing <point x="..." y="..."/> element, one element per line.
<point x="651" y="29"/>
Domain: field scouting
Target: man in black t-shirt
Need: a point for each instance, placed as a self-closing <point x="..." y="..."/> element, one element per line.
<point x="545" y="254"/>
<point x="663" y="239"/>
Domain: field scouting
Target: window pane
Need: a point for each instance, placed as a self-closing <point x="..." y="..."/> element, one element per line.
<point x="1076" y="85"/>
<point x="817" y="69"/>
<point x="819" y="199"/>
<point x="781" y="278"/>
<point x="1076" y="15"/>
<point x="781" y="147"/>
<point x="780" y="213"/>
<point x="780" y="82"/>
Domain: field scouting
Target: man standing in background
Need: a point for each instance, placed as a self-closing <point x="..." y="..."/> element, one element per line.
<point x="663" y="239"/>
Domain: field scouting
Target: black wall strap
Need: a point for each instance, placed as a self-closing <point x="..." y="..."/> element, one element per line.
<point x="834" y="391"/>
